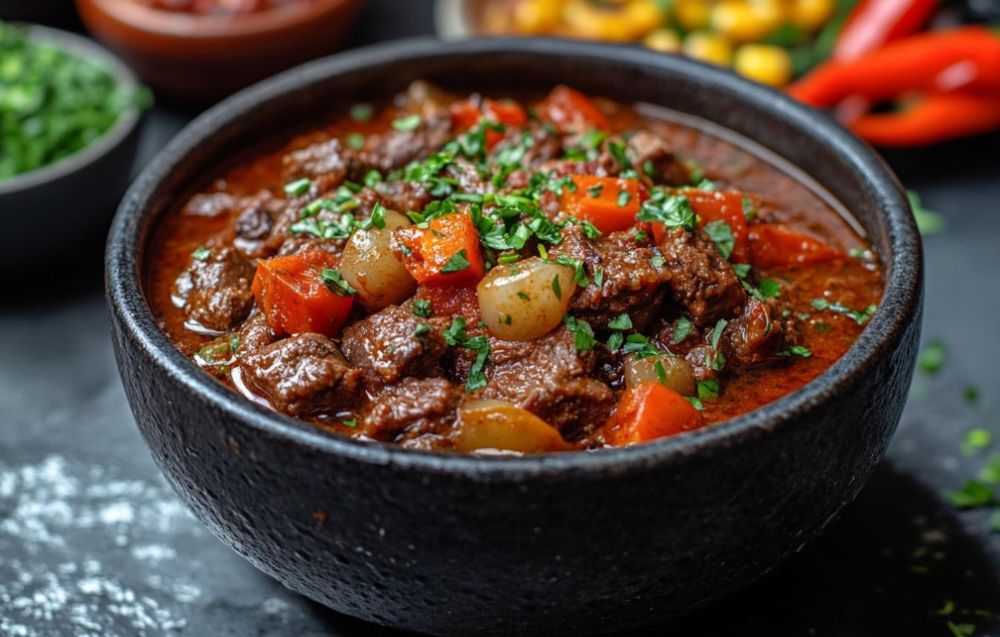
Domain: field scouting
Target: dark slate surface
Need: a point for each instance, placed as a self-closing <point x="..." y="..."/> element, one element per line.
<point x="93" y="542"/>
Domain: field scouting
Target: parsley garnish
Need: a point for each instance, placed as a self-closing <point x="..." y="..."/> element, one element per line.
<point x="769" y="288"/>
<point x="298" y="187"/>
<point x="932" y="358"/>
<point x="722" y="235"/>
<point x="583" y="334"/>
<point x="708" y="389"/>
<point x="976" y="440"/>
<point x="557" y="287"/>
<point x="333" y="280"/>
<point x="362" y="112"/>
<point x="673" y="211"/>
<point x="620" y="322"/>
<point x="355" y="141"/>
<point x="350" y="422"/>
<point x="455" y="335"/>
<point x="407" y="123"/>
<point x="595" y="191"/>
<point x="623" y="198"/>
<point x="859" y="316"/>
<point x="376" y="219"/>
<point x="458" y="262"/>
<point x="796" y="350"/>
<point x="421" y="308"/>
<point x="422" y="330"/>
<point x="682" y="329"/>
<point x="201" y="253"/>
<point x="972" y="494"/>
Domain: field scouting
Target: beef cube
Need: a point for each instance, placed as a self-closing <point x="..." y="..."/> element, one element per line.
<point x="325" y="163"/>
<point x="303" y="375"/>
<point x="409" y="409"/>
<point x="632" y="280"/>
<point x="549" y="378"/>
<point x="215" y="289"/>
<point x="757" y="335"/>
<point x="397" y="148"/>
<point x="703" y="282"/>
<point x="392" y="344"/>
<point x="646" y="149"/>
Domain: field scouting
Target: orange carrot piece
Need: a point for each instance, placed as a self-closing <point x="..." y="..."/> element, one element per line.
<point x="775" y="245"/>
<point x="718" y="205"/>
<point x="647" y="412"/>
<point x="291" y="293"/>
<point x="610" y="203"/>
<point x="571" y="110"/>
<point x="446" y="252"/>
<point x="466" y="114"/>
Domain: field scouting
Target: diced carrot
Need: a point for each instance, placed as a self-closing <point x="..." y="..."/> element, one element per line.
<point x="775" y="245"/>
<point x="293" y="297"/>
<point x="610" y="203"/>
<point x="647" y="412"/>
<point x="466" y="113"/>
<point x="446" y="252"/>
<point x="718" y="205"/>
<point x="572" y="111"/>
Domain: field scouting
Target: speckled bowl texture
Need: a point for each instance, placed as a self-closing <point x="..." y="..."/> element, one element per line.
<point x="562" y="544"/>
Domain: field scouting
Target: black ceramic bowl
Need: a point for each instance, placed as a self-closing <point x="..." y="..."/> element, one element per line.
<point x="53" y="210"/>
<point x="553" y="544"/>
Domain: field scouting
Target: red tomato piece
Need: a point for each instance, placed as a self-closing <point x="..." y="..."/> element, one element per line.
<point x="775" y="245"/>
<point x="446" y="252"/>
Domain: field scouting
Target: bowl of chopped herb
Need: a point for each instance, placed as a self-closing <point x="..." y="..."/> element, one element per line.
<point x="69" y="123"/>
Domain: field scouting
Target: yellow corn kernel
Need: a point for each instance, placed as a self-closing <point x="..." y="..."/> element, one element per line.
<point x="692" y="14"/>
<point x="663" y="40"/>
<point x="588" y="21"/>
<point x="764" y="63"/>
<point x="745" y="21"/>
<point x="811" y="14"/>
<point x="643" y="16"/>
<point x="708" y="47"/>
<point x="537" y="16"/>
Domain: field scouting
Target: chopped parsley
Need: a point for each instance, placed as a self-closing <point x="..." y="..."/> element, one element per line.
<point x="972" y="494"/>
<point x="673" y="211"/>
<point x="623" y="198"/>
<point x="376" y="219"/>
<point x="928" y="221"/>
<point x="722" y="235"/>
<point x="858" y="316"/>
<point x="557" y="287"/>
<point x="708" y="389"/>
<point x="456" y="335"/>
<point x="458" y="262"/>
<point x="201" y="253"/>
<point x="350" y="422"/>
<point x="682" y="329"/>
<point x="796" y="350"/>
<point x="583" y="334"/>
<point x="640" y="346"/>
<point x="421" y="308"/>
<point x="595" y="191"/>
<point x="362" y="112"/>
<point x="406" y="123"/>
<point x="422" y="330"/>
<point x="298" y="187"/>
<point x="621" y="322"/>
<point x="334" y="282"/>
<point x="355" y="141"/>
<point x="769" y="288"/>
<point x="976" y="440"/>
<point x="932" y="358"/>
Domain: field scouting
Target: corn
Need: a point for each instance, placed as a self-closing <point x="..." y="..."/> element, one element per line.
<point x="746" y="21"/>
<point x="588" y="21"/>
<point x="692" y="14"/>
<point x="764" y="63"/>
<point x="643" y="16"/>
<point x="537" y="16"/>
<point x="708" y="47"/>
<point x="810" y="14"/>
<point x="663" y="40"/>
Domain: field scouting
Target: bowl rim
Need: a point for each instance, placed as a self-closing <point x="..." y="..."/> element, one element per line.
<point x="899" y="305"/>
<point x="127" y="121"/>
<point x="184" y="26"/>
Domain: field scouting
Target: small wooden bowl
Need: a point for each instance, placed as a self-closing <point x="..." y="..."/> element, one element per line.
<point x="200" y="59"/>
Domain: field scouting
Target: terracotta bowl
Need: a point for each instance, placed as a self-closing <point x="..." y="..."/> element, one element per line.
<point x="554" y="544"/>
<point x="199" y="59"/>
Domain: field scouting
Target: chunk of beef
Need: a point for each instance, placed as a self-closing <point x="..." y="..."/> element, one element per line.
<point x="254" y="334"/>
<point x="393" y="343"/>
<point x="397" y="148"/>
<point x="646" y="146"/>
<point x="302" y="375"/>
<point x="757" y="335"/>
<point x="262" y="223"/>
<point x="549" y="378"/>
<point x="401" y="196"/>
<point x="703" y="282"/>
<point x="215" y="290"/>
<point x="632" y="281"/>
<point x="325" y="163"/>
<point x="409" y="409"/>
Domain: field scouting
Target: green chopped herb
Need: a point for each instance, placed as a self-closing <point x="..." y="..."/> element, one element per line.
<point x="661" y="371"/>
<point x="422" y="330"/>
<point x="458" y="262"/>
<point x="362" y="112"/>
<point x="682" y="329"/>
<point x="858" y="316"/>
<point x="769" y="288"/>
<point x="722" y="235"/>
<point x="947" y="609"/>
<point x="599" y="276"/>
<point x="972" y="494"/>
<point x="373" y="177"/>
<point x="707" y="185"/>
<point x="658" y="261"/>
<point x="749" y="209"/>
<point x="350" y="422"/>
<point x="976" y="440"/>
<point x="333" y="280"/>
<point x="201" y="253"/>
<point x="557" y="287"/>
<point x="932" y="358"/>
<point x="298" y="187"/>
<point x="615" y="341"/>
<point x="407" y="123"/>
<point x="708" y="389"/>
<point x="971" y="394"/>
<point x="673" y="211"/>
<point x="456" y="335"/>
<point x="928" y="221"/>
<point x="595" y="191"/>
<point x="621" y="322"/>
<point x="521" y="294"/>
<point x="962" y="630"/>
<point x="623" y="198"/>
<point x="421" y="308"/>
<point x="697" y="404"/>
<point x="796" y="350"/>
<point x="991" y="472"/>
<point x="355" y="141"/>
<point x="583" y="334"/>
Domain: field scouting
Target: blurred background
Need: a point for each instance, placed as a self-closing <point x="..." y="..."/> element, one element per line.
<point x="93" y="542"/>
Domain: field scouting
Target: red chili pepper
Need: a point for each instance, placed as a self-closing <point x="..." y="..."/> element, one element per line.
<point x="873" y="23"/>
<point x="965" y="59"/>
<point x="933" y="119"/>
